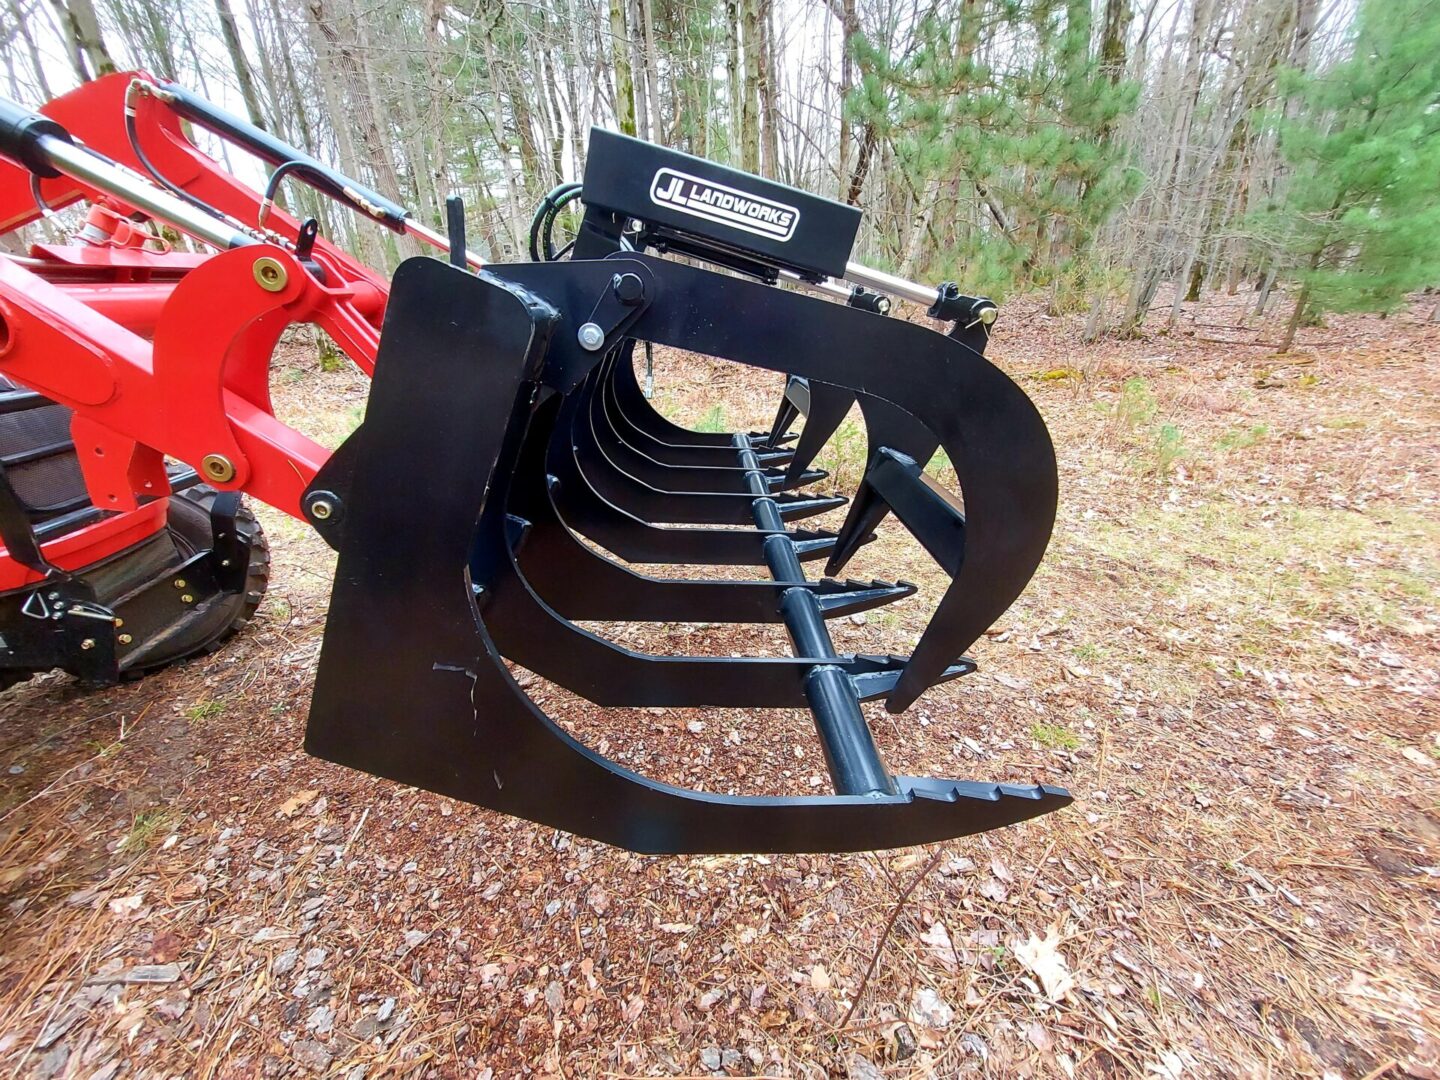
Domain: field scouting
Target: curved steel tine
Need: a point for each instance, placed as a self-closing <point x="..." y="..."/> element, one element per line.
<point x="672" y="507"/>
<point x="992" y="433"/>
<point x="785" y="414"/>
<point x="640" y="434"/>
<point x="707" y="456"/>
<point x="885" y="426"/>
<point x="642" y="414"/>
<point x="715" y="456"/>
<point x="638" y="541"/>
<point x="660" y="474"/>
<point x="580" y="583"/>
<point x="828" y="408"/>
<point x="529" y="632"/>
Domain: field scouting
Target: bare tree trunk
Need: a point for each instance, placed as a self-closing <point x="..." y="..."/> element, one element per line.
<point x="750" y="103"/>
<point x="862" y="164"/>
<point x="652" y="71"/>
<point x="87" y="50"/>
<point x="769" y="91"/>
<point x="1266" y="284"/>
<point x="924" y="214"/>
<point x="36" y="63"/>
<point x="849" y="23"/>
<point x="87" y="34"/>
<point x="620" y="61"/>
<point x="637" y="65"/>
<point x="1301" y="302"/>
<point x="243" y="76"/>
<point x="1094" y="320"/>
<point x="292" y="85"/>
<point x="732" y="76"/>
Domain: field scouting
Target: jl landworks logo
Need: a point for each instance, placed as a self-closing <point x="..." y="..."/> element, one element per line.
<point x="723" y="205"/>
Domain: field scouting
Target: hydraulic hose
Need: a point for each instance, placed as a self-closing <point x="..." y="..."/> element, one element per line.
<point x="541" y="250"/>
<point x="44" y="147"/>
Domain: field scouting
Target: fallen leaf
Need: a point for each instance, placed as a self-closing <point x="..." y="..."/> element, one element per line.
<point x="929" y="1010"/>
<point x="1041" y="957"/>
<point x="1419" y="757"/>
<point x="289" y="807"/>
<point x="165" y="946"/>
<point x="820" y="978"/>
<point x="125" y="906"/>
<point x="941" y="947"/>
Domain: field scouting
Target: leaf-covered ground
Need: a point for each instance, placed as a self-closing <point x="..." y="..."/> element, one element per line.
<point x="1231" y="657"/>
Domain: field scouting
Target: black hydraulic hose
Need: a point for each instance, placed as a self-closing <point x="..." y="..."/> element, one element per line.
<point x="272" y="186"/>
<point x="133" y="136"/>
<point x="544" y="220"/>
<point x="39" y="196"/>
<point x="276" y="153"/>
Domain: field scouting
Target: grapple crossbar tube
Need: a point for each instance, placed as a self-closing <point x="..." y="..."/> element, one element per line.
<point x="411" y="682"/>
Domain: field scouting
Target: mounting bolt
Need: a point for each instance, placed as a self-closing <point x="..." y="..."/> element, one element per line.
<point x="270" y="274"/>
<point x="218" y="467"/>
<point x="590" y="336"/>
<point x="186" y="598"/>
<point x="323" y="506"/>
<point x="119" y="622"/>
<point x="124" y="639"/>
<point x="629" y="289"/>
<point x="179" y="582"/>
<point x="88" y="643"/>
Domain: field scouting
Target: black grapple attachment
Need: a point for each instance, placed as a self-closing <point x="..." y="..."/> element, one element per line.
<point x="510" y="469"/>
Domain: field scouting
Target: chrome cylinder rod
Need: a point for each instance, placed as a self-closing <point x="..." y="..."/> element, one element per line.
<point x="435" y="240"/>
<point x="880" y="281"/>
<point x="94" y="171"/>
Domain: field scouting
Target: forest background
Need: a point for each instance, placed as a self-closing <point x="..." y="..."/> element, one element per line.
<point x="1091" y="149"/>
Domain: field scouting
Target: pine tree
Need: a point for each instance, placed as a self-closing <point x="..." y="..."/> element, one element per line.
<point x="1360" y="219"/>
<point x="1029" y="135"/>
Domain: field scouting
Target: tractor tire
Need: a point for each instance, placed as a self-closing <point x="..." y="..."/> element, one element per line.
<point x="189" y="526"/>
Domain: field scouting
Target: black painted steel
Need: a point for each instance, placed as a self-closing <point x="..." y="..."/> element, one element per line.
<point x="411" y="683"/>
<point x="635" y="435"/>
<point x="833" y="696"/>
<point x="991" y="433"/>
<point x="715" y="211"/>
<point x="578" y="582"/>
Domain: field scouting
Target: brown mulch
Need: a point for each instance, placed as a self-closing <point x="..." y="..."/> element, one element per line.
<point x="1231" y="657"/>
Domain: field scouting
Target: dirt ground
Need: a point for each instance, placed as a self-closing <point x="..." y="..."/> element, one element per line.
<point x="1231" y="657"/>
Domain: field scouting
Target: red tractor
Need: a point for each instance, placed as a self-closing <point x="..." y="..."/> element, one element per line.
<point x="509" y="476"/>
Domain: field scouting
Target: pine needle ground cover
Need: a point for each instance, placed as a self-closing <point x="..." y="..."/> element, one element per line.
<point x="1230" y="657"/>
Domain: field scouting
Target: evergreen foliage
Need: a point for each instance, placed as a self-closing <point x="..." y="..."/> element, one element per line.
<point x="1024" y="142"/>
<point x="1360" y="215"/>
